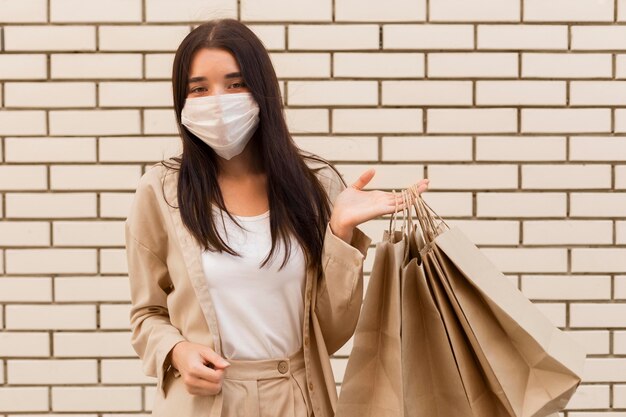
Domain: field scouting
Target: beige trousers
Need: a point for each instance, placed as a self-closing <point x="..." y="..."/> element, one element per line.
<point x="266" y="388"/>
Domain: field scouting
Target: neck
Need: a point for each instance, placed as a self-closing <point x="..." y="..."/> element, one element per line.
<point x="246" y="164"/>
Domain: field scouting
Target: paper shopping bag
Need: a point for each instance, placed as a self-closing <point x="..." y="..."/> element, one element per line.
<point x="372" y="385"/>
<point x="529" y="366"/>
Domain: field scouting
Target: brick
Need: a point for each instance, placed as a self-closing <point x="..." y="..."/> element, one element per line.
<point x="619" y="341"/>
<point x="50" y="205"/>
<point x="134" y="149"/>
<point x="52" y="371"/>
<point x="521" y="93"/>
<point x="605" y="369"/>
<point x="23" y="66"/>
<point x="50" y="149"/>
<point x="24" y="344"/>
<point x="594" y="342"/>
<point x="91" y="289"/>
<point x="597" y="148"/>
<point x="510" y="260"/>
<point x="95" y="11"/>
<point x="497" y="120"/>
<point x="598" y="204"/>
<point x="113" y="261"/>
<point x="571" y="176"/>
<point x="91" y="233"/>
<point x="96" y="398"/>
<point x="566" y="120"/>
<point x="334" y="37"/>
<point x="620" y="120"/>
<point x="23" y="177"/>
<point x="603" y="93"/>
<point x="568" y="232"/>
<point x="50" y="94"/>
<point x="332" y="93"/>
<point x="472" y="64"/>
<point x="44" y="317"/>
<point x="24" y="233"/>
<point x="348" y="148"/>
<point x="22" y="122"/>
<point x="620" y="63"/>
<point x="187" y="11"/>
<point x="489" y="232"/>
<point x="301" y="65"/>
<point x="25" y="289"/>
<point x="115" y="316"/>
<point x="620" y="177"/>
<point x="159" y="122"/>
<point x="136" y="94"/>
<point x="592" y="397"/>
<point x="141" y="38"/>
<point x="18" y="399"/>
<point x="393" y="176"/>
<point x="378" y="65"/>
<point x="94" y="122"/>
<point x="277" y="10"/>
<point x="549" y="287"/>
<point x="474" y="10"/>
<point x="568" y="11"/>
<point x="521" y="204"/>
<point x="124" y="371"/>
<point x="377" y="120"/>
<point x="115" y="204"/>
<point x="426" y="148"/>
<point x="96" y="66"/>
<point x="619" y="396"/>
<point x="375" y="11"/>
<point x="599" y="260"/>
<point x="566" y="65"/>
<point x="307" y="120"/>
<point x="24" y="11"/>
<point x="520" y="148"/>
<point x="49" y="38"/>
<point x="94" y="177"/>
<point x="159" y="65"/>
<point x="620" y="227"/>
<point x="522" y="37"/>
<point x="589" y="37"/>
<point x="426" y="93"/>
<point x="473" y="176"/>
<point x="428" y="36"/>
<point x="93" y="345"/>
<point x="50" y="261"/>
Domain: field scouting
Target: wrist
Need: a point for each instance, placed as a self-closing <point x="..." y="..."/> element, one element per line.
<point x="341" y="230"/>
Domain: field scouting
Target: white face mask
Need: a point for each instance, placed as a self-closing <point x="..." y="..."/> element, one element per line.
<point x="225" y="122"/>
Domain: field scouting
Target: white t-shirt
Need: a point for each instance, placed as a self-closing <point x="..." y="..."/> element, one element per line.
<point x="259" y="311"/>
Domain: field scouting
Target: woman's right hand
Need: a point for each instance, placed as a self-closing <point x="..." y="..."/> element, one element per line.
<point x="201" y="368"/>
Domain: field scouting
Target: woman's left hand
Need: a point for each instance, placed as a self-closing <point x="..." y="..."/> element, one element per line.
<point x="354" y="206"/>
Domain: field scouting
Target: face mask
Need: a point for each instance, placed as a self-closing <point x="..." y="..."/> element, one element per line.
<point x="225" y="122"/>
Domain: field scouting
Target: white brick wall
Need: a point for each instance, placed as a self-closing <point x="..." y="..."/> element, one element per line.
<point x="515" y="109"/>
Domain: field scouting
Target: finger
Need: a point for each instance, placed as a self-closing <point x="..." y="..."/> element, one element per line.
<point x="363" y="179"/>
<point x="212" y="356"/>
<point x="206" y="373"/>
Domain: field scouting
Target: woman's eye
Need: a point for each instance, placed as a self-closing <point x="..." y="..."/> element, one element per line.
<point x="197" y="89"/>
<point x="241" y="84"/>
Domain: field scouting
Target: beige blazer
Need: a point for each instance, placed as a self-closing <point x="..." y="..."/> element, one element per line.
<point x="171" y="301"/>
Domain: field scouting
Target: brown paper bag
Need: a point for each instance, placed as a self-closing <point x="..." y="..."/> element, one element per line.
<point x="372" y="384"/>
<point x="443" y="333"/>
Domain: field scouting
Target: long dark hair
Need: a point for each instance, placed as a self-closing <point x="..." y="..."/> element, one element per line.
<point x="298" y="202"/>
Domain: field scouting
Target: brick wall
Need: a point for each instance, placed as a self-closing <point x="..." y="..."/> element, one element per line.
<point x="516" y="111"/>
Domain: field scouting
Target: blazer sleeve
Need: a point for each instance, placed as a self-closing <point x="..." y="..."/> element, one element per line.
<point x="340" y="287"/>
<point x="152" y="334"/>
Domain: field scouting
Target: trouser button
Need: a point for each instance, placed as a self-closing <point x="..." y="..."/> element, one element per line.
<point x="282" y="367"/>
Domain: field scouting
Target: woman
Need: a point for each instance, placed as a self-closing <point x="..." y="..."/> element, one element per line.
<point x="225" y="326"/>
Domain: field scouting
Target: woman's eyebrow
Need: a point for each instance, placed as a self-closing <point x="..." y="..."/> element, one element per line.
<point x="202" y="78"/>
